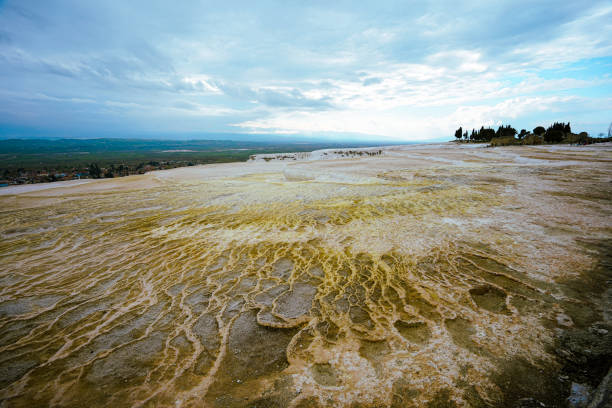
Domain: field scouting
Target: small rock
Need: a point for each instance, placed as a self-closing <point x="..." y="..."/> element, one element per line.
<point x="579" y="397"/>
<point x="564" y="320"/>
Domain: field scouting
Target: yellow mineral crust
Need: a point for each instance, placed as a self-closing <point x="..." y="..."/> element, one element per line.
<point x="416" y="276"/>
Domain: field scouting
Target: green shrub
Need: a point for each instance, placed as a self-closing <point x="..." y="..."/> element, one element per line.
<point x="504" y="141"/>
<point x="554" y="135"/>
<point x="533" y="139"/>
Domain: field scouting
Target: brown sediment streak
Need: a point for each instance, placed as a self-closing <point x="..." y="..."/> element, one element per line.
<point x="254" y="290"/>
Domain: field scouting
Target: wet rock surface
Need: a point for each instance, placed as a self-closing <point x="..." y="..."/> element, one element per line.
<point x="587" y="354"/>
<point x="297" y="302"/>
<point x="490" y="298"/>
<point x="255" y="350"/>
<point x="325" y="375"/>
<point x="394" y="282"/>
<point x="602" y="396"/>
<point x="416" y="332"/>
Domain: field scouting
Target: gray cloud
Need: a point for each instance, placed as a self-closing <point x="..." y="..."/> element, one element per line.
<point x="285" y="98"/>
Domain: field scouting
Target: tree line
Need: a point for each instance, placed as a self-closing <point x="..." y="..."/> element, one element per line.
<point x="122" y="170"/>
<point x="558" y="132"/>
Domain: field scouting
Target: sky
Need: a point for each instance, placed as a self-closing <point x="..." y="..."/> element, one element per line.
<point x="380" y="70"/>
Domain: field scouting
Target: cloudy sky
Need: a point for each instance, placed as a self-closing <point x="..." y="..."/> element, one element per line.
<point x="406" y="70"/>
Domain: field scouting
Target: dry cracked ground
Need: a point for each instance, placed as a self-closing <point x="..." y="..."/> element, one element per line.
<point x="432" y="275"/>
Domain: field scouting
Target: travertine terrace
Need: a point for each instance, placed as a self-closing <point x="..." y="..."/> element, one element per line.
<point x="430" y="274"/>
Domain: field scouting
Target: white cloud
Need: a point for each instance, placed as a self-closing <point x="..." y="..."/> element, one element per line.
<point x="203" y="83"/>
<point x="404" y="125"/>
<point x="490" y="115"/>
<point x="460" y="60"/>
